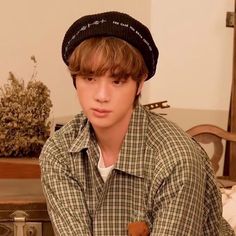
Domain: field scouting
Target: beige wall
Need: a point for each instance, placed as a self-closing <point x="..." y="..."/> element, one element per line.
<point x="37" y="27"/>
<point x="194" y="70"/>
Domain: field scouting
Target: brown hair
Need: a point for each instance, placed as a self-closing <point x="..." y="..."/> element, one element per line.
<point x="113" y="55"/>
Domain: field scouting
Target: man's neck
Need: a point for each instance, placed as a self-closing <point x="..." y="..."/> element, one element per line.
<point x="110" y="140"/>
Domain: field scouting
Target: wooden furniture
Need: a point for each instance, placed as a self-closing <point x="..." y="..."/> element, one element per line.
<point x="206" y="134"/>
<point x="230" y="154"/>
<point x="19" y="168"/>
<point x="23" y="208"/>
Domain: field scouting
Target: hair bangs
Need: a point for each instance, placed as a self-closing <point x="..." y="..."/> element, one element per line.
<point x="97" y="56"/>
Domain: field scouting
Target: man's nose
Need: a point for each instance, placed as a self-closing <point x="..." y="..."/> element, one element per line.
<point x="102" y="92"/>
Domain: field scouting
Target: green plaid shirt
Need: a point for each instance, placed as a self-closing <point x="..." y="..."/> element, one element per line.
<point x="162" y="177"/>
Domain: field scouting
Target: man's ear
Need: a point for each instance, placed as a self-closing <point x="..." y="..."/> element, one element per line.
<point x="140" y="87"/>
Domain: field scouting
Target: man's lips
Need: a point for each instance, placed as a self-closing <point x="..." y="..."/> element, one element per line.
<point x="100" y="112"/>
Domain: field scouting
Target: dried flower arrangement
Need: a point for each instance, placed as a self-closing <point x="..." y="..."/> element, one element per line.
<point x="24" y="113"/>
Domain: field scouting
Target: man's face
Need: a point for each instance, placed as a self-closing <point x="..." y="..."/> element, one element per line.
<point x="106" y="101"/>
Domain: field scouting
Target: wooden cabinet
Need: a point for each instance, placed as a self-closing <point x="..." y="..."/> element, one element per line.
<point x="23" y="208"/>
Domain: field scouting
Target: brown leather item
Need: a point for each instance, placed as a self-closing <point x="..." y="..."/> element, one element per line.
<point x="139" y="228"/>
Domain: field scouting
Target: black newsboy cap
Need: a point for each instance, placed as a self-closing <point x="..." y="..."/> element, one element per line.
<point x="114" y="24"/>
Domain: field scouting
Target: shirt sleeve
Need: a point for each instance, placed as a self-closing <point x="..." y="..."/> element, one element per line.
<point x="64" y="195"/>
<point x="180" y="204"/>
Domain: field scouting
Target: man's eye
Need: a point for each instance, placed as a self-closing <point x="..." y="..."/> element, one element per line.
<point x="89" y="78"/>
<point x="118" y="82"/>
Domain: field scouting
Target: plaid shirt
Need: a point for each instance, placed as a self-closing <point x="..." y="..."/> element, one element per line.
<point x="162" y="177"/>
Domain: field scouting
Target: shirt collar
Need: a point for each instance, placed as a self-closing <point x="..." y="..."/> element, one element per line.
<point x="132" y="155"/>
<point x="82" y="140"/>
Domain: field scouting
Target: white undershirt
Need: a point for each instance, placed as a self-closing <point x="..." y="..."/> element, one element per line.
<point x="104" y="171"/>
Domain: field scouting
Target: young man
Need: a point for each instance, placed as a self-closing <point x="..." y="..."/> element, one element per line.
<point x="116" y="163"/>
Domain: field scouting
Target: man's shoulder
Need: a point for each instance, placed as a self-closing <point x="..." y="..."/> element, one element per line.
<point x="162" y="130"/>
<point x="171" y="143"/>
<point x="62" y="138"/>
<point x="72" y="126"/>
